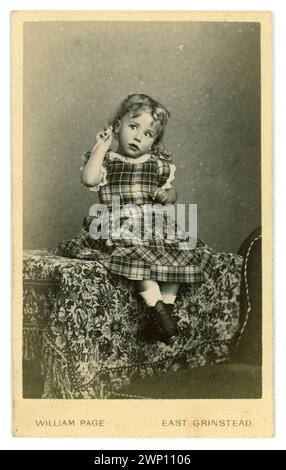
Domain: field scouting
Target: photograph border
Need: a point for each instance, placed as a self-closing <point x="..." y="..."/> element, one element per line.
<point x="127" y="420"/>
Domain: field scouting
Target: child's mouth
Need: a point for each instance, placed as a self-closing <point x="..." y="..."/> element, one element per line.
<point x="133" y="147"/>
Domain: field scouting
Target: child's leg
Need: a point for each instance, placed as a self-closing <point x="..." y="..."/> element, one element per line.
<point x="169" y="292"/>
<point x="165" y="328"/>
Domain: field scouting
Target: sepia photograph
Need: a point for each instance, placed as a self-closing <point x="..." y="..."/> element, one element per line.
<point x="142" y="223"/>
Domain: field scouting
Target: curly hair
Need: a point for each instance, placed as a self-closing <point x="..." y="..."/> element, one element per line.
<point x="134" y="105"/>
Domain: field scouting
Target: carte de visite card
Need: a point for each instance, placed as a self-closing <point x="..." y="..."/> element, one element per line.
<point x="142" y="214"/>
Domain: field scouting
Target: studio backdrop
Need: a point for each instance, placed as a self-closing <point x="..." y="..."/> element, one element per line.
<point x="206" y="73"/>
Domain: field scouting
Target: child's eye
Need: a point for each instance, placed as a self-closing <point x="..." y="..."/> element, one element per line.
<point x="149" y="134"/>
<point x="132" y="126"/>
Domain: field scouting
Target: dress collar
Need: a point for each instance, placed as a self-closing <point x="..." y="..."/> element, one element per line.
<point x="141" y="159"/>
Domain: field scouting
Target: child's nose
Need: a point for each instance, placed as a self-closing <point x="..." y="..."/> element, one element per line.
<point x="138" y="136"/>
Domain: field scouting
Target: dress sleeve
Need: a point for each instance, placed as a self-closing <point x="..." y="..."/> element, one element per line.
<point x="103" y="172"/>
<point x="166" y="173"/>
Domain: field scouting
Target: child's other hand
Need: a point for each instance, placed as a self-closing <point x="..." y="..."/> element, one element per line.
<point x="162" y="196"/>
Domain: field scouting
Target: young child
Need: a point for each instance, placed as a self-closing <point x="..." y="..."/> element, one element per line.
<point x="139" y="174"/>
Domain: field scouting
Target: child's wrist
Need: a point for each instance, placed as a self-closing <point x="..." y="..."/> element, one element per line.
<point x="98" y="151"/>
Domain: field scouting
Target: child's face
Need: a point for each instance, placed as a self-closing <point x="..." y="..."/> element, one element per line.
<point x="136" y="135"/>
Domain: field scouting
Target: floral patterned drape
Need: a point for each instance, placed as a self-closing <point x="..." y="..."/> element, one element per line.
<point x="83" y="325"/>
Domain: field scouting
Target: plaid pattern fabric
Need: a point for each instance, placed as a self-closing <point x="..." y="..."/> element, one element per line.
<point x="134" y="181"/>
<point x="124" y="173"/>
<point x="141" y="247"/>
<point x="138" y="269"/>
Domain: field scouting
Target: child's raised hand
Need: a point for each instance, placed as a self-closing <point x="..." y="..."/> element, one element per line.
<point x="104" y="138"/>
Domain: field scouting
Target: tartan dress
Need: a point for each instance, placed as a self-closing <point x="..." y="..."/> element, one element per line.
<point x="129" y="252"/>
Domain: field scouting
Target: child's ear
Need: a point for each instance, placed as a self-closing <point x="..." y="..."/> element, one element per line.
<point x="156" y="147"/>
<point x="116" y="126"/>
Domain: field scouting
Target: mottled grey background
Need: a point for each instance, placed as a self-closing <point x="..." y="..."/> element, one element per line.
<point x="207" y="74"/>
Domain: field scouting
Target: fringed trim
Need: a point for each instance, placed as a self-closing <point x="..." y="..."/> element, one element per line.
<point x="124" y="395"/>
<point x="61" y="377"/>
<point x="57" y="379"/>
<point x="32" y="344"/>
